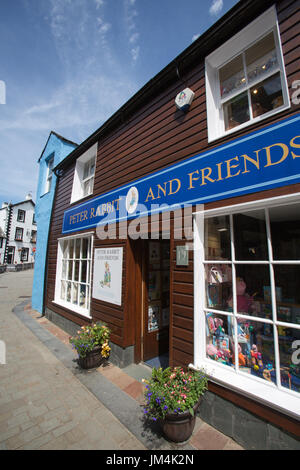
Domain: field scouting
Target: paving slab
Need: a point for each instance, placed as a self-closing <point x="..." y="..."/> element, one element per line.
<point x="48" y="402"/>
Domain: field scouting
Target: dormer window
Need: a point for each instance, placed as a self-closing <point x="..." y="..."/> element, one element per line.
<point x="83" y="182"/>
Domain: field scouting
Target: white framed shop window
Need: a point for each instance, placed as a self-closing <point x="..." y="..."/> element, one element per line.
<point x="83" y="182"/>
<point x="73" y="273"/>
<point x="247" y="299"/>
<point x="245" y="78"/>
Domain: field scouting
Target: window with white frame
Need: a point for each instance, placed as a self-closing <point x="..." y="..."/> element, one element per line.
<point x="83" y="182"/>
<point x="249" y="330"/>
<point x="73" y="273"/>
<point x="245" y="78"/>
<point x="49" y="175"/>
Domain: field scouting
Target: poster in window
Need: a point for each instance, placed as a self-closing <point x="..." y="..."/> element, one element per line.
<point x="153" y="316"/>
<point x="154" y="252"/>
<point x="107" y="279"/>
<point x="154" y="285"/>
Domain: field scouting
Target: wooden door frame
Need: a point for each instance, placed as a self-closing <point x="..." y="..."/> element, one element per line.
<point x="137" y="248"/>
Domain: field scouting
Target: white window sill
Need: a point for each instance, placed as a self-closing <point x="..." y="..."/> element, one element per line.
<point x="73" y="308"/>
<point x="253" y="387"/>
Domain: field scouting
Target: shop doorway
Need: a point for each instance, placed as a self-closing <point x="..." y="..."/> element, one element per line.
<point x="10" y="254"/>
<point x="156" y="303"/>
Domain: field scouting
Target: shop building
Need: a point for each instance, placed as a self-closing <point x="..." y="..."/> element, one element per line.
<point x="18" y="229"/>
<point x="55" y="150"/>
<point x="177" y="222"/>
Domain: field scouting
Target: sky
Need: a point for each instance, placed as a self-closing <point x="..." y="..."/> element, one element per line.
<point x="68" y="65"/>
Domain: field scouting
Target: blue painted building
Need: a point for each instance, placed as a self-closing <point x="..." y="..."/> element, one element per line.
<point x="55" y="150"/>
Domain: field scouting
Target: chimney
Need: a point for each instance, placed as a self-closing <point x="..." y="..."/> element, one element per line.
<point x="4" y="204"/>
<point x="29" y="197"/>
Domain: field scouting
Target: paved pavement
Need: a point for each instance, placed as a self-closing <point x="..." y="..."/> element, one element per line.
<point x="48" y="402"/>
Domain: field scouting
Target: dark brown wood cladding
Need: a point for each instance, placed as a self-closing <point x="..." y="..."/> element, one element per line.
<point x="156" y="136"/>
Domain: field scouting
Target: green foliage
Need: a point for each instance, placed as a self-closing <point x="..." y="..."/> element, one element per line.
<point x="173" y="390"/>
<point x="90" y="337"/>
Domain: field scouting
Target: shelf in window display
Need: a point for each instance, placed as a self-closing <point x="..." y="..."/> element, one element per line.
<point x="244" y="85"/>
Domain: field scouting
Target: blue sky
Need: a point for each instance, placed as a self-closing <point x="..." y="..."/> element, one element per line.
<point x="68" y="65"/>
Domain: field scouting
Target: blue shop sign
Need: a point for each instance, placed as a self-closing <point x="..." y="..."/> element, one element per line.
<point x="262" y="160"/>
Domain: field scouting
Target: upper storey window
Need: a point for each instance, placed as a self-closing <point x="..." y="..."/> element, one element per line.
<point x="49" y="175"/>
<point x="245" y="78"/>
<point x="83" y="182"/>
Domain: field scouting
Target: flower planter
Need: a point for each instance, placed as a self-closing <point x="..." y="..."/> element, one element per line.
<point x="92" y="359"/>
<point x="178" y="427"/>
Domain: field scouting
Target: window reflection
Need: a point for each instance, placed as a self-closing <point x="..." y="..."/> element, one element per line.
<point x="285" y="231"/>
<point x="289" y="350"/>
<point x="217" y="238"/>
<point x="287" y="280"/>
<point x="218" y="285"/>
<point x="250" y="236"/>
<point x="253" y="290"/>
<point x="266" y="96"/>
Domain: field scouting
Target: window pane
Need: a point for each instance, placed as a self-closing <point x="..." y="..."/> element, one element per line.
<point x="82" y="295"/>
<point x="261" y="58"/>
<point x="232" y="77"/>
<point x="75" y="294"/>
<point x="218" y="285"/>
<point x="86" y="188"/>
<point x="219" y="341"/>
<point x="250" y="236"/>
<point x="287" y="281"/>
<point x="87" y="297"/>
<point x="70" y="270"/>
<point x="217" y="238"/>
<point x="85" y="243"/>
<point x="92" y="167"/>
<point x="69" y="284"/>
<point x="76" y="271"/>
<point x="86" y="170"/>
<point x="285" y="231"/>
<point x="258" y="347"/>
<point x="63" y="290"/>
<point x="65" y="249"/>
<point x="77" y="248"/>
<point x="71" y="248"/>
<point x="289" y="350"/>
<point x="64" y="270"/>
<point x="266" y="95"/>
<point x="83" y="271"/>
<point x="236" y="111"/>
<point x="252" y="283"/>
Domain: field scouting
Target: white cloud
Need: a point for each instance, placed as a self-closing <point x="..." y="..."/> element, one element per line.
<point x="216" y="7"/>
<point x="99" y="3"/>
<point x="196" y="36"/>
<point x="131" y="14"/>
<point x="135" y="51"/>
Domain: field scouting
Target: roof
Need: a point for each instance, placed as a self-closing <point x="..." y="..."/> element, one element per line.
<point x="233" y="21"/>
<point x="59" y="137"/>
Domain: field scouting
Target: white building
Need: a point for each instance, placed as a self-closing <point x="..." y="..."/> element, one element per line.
<point x="17" y="232"/>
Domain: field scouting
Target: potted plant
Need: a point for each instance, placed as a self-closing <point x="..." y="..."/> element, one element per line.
<point x="172" y="397"/>
<point x="91" y="344"/>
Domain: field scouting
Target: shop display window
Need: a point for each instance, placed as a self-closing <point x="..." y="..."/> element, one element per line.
<point x="73" y="273"/>
<point x="251" y="304"/>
